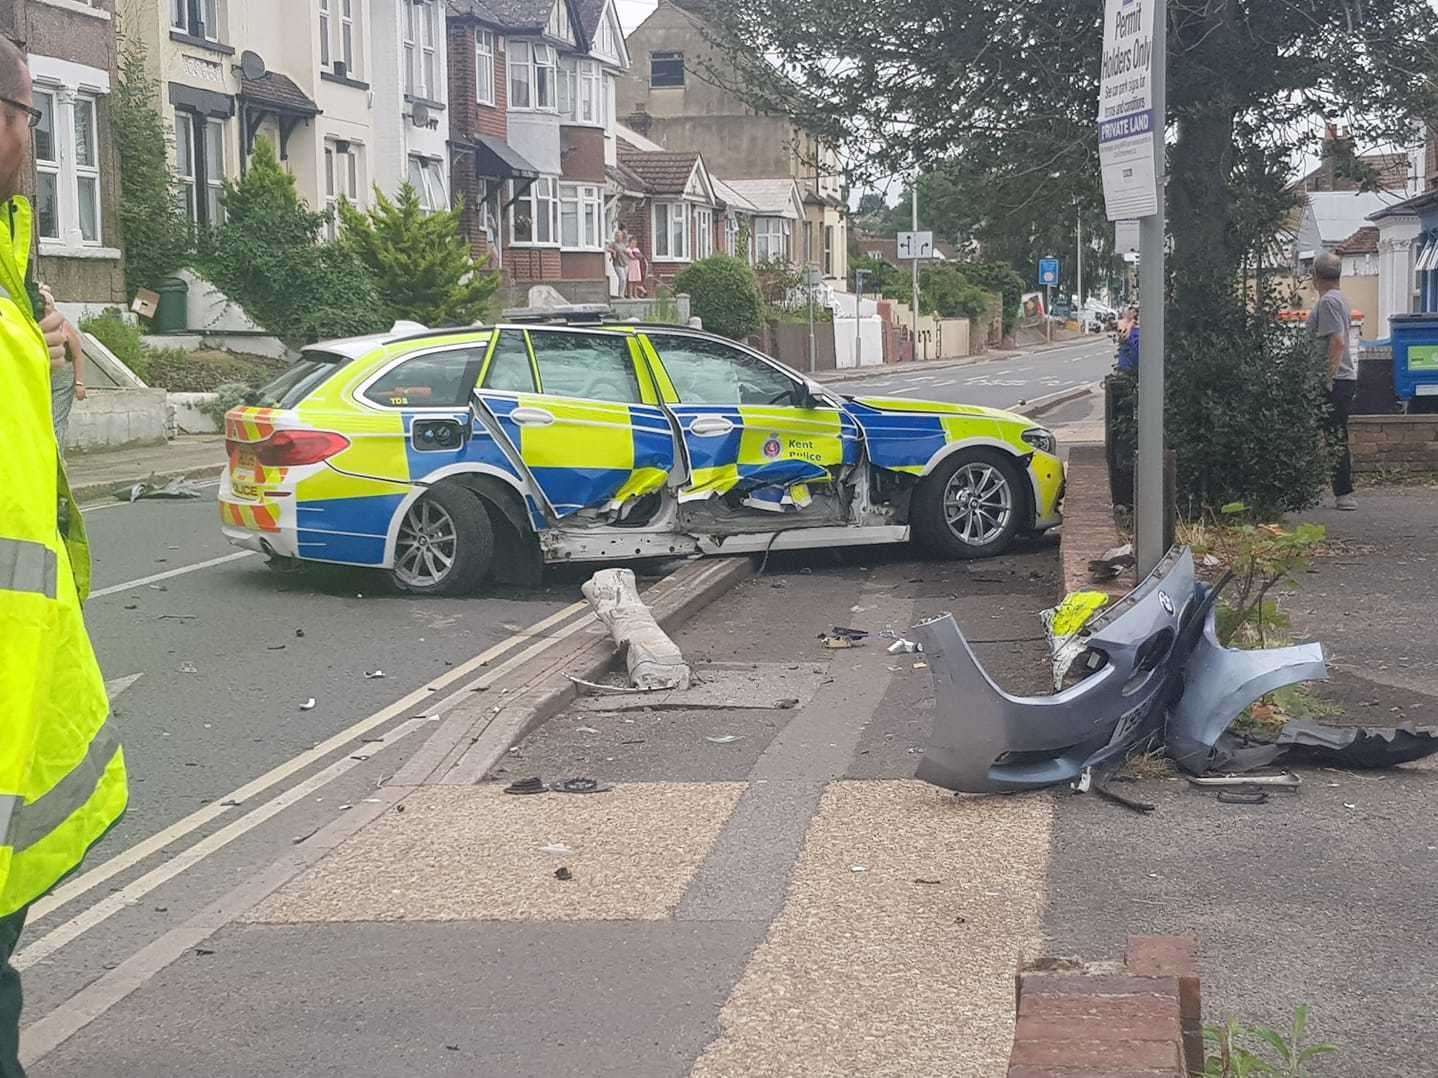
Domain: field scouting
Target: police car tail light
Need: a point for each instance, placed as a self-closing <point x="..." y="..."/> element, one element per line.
<point x="291" y="448"/>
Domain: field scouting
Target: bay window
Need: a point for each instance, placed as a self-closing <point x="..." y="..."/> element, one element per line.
<point x="671" y="231"/>
<point x="771" y="239"/>
<point x="591" y="93"/>
<point x="581" y="217"/>
<point x="703" y="232"/>
<point x="484" y="66"/>
<point x="341" y="180"/>
<point x="533" y="77"/>
<point x="534" y="217"/>
<point x="47" y="167"/>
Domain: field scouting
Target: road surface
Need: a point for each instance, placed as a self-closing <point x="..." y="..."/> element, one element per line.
<point x="999" y="383"/>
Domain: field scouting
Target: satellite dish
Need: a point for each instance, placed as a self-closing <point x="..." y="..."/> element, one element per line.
<point x="420" y="115"/>
<point x="252" y="65"/>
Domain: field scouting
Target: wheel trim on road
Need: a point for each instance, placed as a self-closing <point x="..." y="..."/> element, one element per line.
<point x="427" y="546"/>
<point x="978" y="503"/>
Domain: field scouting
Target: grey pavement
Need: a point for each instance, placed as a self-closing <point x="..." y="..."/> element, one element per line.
<point x="95" y="476"/>
<point x="994" y="383"/>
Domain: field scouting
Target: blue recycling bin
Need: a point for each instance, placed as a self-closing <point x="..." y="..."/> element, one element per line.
<point x="1415" y="359"/>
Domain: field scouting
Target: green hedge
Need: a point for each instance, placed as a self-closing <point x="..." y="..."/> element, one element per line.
<point x="724" y="292"/>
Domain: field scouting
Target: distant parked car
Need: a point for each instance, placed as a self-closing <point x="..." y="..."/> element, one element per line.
<point x="1097" y="317"/>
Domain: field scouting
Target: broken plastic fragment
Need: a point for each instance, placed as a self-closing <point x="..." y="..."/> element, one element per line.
<point x="373" y="675"/>
<point x="725" y="739"/>
<point x="308" y="705"/>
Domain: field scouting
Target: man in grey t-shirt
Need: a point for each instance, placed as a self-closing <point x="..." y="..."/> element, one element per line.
<point x="1329" y="323"/>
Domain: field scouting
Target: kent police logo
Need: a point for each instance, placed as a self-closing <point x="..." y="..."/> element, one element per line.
<point x="772" y="448"/>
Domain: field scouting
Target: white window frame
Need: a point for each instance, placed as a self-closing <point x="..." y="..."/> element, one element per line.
<point x="409" y="47"/>
<point x="183" y="13"/>
<point x="347" y="36"/>
<point x="341" y="174"/>
<point x="427" y="178"/>
<point x="590" y="94"/>
<point x="587" y="203"/>
<point x="559" y="26"/>
<point x="429" y="64"/>
<point x="703" y="218"/>
<point x="521" y="76"/>
<point x="551" y="64"/>
<point x="767" y="232"/>
<point x="731" y="235"/>
<point x="187" y="179"/>
<point x="486" y="48"/>
<point x="664" y="252"/>
<point x="87" y="174"/>
<point x="324" y="33"/>
<point x="567" y="88"/>
<point x="51" y="166"/>
<point x="215" y="178"/>
<point x="543" y="192"/>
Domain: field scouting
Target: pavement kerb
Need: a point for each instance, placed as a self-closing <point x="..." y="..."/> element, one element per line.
<point x="84" y="493"/>
<point x="1041" y="405"/>
<point x="477" y="736"/>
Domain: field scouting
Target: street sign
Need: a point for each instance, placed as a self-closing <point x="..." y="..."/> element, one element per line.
<point x="1125" y="110"/>
<point x="1048" y="271"/>
<point x="1125" y="237"/>
<point x="916" y="245"/>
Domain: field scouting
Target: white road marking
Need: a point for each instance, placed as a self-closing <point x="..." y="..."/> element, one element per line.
<point x="170" y="574"/>
<point x="128" y="895"/>
<point x="116" y="504"/>
<point x="121" y="862"/>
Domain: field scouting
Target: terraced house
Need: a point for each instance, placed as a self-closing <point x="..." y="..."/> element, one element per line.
<point x="71" y="45"/>
<point x="532" y="132"/>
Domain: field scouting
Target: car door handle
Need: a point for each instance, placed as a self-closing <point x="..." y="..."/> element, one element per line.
<point x="532" y="417"/>
<point x="710" y="426"/>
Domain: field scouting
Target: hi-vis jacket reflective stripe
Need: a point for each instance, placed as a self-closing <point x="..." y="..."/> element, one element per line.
<point x="62" y="774"/>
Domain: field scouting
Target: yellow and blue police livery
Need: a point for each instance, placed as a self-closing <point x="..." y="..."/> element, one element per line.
<point x="451" y="455"/>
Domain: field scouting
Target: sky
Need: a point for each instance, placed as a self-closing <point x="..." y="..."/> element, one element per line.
<point x="633" y="12"/>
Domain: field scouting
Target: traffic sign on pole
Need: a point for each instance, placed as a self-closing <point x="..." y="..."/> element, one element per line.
<point x="1048" y="272"/>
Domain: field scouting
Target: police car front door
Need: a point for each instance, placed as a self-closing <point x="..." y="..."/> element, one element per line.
<point x="749" y="430"/>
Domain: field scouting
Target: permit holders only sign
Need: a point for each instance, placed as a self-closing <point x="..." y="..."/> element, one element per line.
<point x="1125" y="110"/>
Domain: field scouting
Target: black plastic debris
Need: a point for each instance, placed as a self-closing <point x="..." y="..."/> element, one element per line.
<point x="1357" y="748"/>
<point x="562" y="873"/>
<point x="534" y="785"/>
<point x="1243" y="795"/>
<point x="580" y="786"/>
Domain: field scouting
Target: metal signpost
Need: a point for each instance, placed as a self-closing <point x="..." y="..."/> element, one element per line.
<point x="914" y="246"/>
<point x="1048" y="277"/>
<point x="1131" y="113"/>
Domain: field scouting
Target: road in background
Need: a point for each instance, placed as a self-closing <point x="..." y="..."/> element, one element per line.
<point x="998" y="383"/>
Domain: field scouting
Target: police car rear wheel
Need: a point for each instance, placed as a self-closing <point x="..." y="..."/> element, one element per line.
<point x="970" y="507"/>
<point x="445" y="544"/>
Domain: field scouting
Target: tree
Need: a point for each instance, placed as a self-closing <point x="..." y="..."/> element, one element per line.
<point x="871" y="204"/>
<point x="1005" y="94"/>
<point x="154" y="233"/>
<point x="724" y="294"/>
<point x="421" y="265"/>
<point x="267" y="257"/>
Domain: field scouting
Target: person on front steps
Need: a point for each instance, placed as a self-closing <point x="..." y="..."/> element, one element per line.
<point x="62" y="772"/>
<point x="1329" y="323"/>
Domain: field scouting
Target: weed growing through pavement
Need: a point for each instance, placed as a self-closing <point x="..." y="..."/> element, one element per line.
<point x="1238" y="1051"/>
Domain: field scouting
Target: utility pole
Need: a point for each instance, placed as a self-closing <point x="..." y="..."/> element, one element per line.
<point x="813" y="357"/>
<point x="1078" y="251"/>
<point x="1149" y="469"/>
<point x="859" y="276"/>
<point x="914" y="312"/>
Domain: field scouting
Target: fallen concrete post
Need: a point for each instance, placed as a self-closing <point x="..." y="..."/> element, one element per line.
<point x="654" y="661"/>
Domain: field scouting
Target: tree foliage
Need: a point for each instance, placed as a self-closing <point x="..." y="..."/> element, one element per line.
<point x="1004" y="95"/>
<point x="724" y="293"/>
<point x="155" y="234"/>
<point x="421" y="265"/>
<point x="267" y="257"/>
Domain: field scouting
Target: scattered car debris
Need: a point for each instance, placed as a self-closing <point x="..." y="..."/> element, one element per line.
<point x="723" y="739"/>
<point x="585" y="730"/>
<point x="374" y="675"/>
<point x="1112" y="563"/>
<point x="652" y="658"/>
<point x="1285" y="780"/>
<point x="1358" y="747"/>
<point x="308" y="705"/>
<point x="1243" y="795"/>
<point x="904" y="647"/>
<point x="534" y="785"/>
<point x="581" y="786"/>
<point x="1108" y="793"/>
<point x="154" y="487"/>
<point x="188" y="667"/>
<point x="557" y="848"/>
<point x="1064" y="625"/>
<point x="563" y="873"/>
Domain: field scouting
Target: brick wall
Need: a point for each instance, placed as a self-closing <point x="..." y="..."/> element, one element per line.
<point x="492" y="118"/>
<point x="581" y="150"/>
<point x="1089" y="526"/>
<point x="463" y="109"/>
<point x="1406" y="444"/>
<point x="1141" y="1018"/>
<point x="533" y="264"/>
